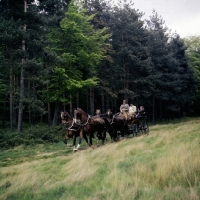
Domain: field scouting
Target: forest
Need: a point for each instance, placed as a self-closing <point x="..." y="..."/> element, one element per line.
<point x="63" y="54"/>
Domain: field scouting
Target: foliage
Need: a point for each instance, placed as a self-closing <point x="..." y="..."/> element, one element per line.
<point x="39" y="134"/>
<point x="79" y="48"/>
<point x="172" y="80"/>
<point x="131" y="64"/>
<point x="193" y="52"/>
<point x="71" y="48"/>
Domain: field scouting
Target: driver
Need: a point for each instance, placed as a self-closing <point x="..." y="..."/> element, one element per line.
<point x="124" y="108"/>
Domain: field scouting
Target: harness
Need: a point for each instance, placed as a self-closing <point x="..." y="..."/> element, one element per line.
<point x="112" y="120"/>
<point x="72" y="129"/>
<point x="87" y="121"/>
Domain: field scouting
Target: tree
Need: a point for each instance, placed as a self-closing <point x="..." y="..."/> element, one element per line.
<point x="104" y="90"/>
<point x="193" y="52"/>
<point x="181" y="77"/>
<point x="131" y="61"/>
<point x="171" y="77"/>
<point x="21" y="46"/>
<point x="79" y="49"/>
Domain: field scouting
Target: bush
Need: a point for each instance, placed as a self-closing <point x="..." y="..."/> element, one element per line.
<point x="31" y="136"/>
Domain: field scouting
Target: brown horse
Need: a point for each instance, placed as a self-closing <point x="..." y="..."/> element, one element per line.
<point x="118" y="124"/>
<point x="72" y="129"/>
<point x="90" y="125"/>
<point x="107" y="126"/>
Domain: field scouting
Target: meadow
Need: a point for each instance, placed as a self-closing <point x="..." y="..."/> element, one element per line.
<point x="164" y="165"/>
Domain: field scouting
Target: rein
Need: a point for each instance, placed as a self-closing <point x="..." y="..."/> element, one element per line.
<point x="112" y="121"/>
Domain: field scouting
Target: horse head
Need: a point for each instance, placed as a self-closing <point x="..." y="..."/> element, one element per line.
<point x="65" y="117"/>
<point x="109" y="114"/>
<point x="98" y="112"/>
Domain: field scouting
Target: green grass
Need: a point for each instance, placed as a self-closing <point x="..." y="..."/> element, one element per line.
<point x="164" y="165"/>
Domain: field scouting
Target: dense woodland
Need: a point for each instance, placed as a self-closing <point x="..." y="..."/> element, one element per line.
<point x="61" y="54"/>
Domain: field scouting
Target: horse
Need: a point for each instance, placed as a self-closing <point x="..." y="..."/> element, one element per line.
<point x="72" y="129"/>
<point x="107" y="126"/>
<point x="90" y="125"/>
<point x="118" y="123"/>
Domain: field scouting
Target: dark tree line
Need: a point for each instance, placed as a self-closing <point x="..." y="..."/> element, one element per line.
<point x="65" y="54"/>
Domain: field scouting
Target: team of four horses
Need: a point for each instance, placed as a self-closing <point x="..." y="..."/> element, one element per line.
<point x="83" y="125"/>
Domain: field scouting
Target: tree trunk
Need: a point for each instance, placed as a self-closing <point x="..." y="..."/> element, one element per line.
<point x="87" y="102"/>
<point x="11" y="99"/>
<point x="49" y="114"/>
<point x="21" y="93"/>
<point x="153" y="110"/>
<point x="48" y="105"/>
<point x="103" y="102"/>
<point x="21" y="98"/>
<point x="64" y="104"/>
<point x="29" y="108"/>
<point x="4" y="113"/>
<point x="71" y="106"/>
<point x="92" y="100"/>
<point x="179" y="112"/>
<point x="77" y="99"/>
<point x="55" y="119"/>
<point x="160" y="109"/>
<point x="15" y="82"/>
<point x="125" y="81"/>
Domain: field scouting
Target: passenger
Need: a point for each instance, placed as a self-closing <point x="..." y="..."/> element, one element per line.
<point x="124" y="109"/>
<point x="141" y="112"/>
<point x="132" y="110"/>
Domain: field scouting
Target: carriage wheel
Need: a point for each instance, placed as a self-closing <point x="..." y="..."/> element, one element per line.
<point x="135" y="130"/>
<point x="145" y="127"/>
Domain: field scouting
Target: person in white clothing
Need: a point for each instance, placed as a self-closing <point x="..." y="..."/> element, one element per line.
<point x="132" y="110"/>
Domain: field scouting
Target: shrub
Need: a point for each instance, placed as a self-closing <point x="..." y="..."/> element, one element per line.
<point x="30" y="136"/>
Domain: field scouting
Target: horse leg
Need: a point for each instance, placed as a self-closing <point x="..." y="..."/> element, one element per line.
<point x="122" y="133"/>
<point x="103" y="137"/>
<point x="66" y="139"/>
<point x="81" y="136"/>
<point x="74" y="143"/>
<point x="110" y="132"/>
<point x="79" y="143"/>
<point x="115" y="136"/>
<point x="90" y="139"/>
<point x="86" y="139"/>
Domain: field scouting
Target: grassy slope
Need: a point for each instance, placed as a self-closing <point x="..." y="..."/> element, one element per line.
<point x="163" y="165"/>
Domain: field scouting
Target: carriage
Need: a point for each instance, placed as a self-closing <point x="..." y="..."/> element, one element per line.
<point x="137" y="123"/>
<point x="139" y="128"/>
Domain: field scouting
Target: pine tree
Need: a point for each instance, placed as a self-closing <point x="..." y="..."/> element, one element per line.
<point x="193" y="53"/>
<point x="171" y="74"/>
<point x="21" y="47"/>
<point x="182" y="77"/>
<point x="131" y="60"/>
<point x="159" y="54"/>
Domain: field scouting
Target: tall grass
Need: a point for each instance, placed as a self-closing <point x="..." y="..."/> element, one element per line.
<point x="163" y="165"/>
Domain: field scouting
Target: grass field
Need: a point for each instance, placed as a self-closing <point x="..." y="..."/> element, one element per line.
<point x="164" y="165"/>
